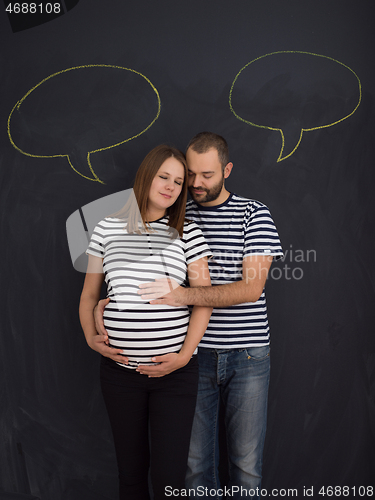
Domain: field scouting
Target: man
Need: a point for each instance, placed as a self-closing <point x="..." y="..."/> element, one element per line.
<point x="234" y="361"/>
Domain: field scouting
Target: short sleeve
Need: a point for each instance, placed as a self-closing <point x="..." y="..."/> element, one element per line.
<point x="261" y="236"/>
<point x="194" y="243"/>
<point x="96" y="246"/>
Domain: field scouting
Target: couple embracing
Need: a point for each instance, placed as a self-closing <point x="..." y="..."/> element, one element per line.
<point x="163" y="409"/>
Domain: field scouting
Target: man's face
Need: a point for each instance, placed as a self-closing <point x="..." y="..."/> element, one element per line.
<point x="206" y="178"/>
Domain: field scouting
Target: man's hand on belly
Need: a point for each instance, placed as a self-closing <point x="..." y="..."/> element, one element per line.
<point x="162" y="291"/>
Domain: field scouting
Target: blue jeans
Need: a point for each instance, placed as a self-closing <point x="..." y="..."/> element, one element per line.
<point x="239" y="378"/>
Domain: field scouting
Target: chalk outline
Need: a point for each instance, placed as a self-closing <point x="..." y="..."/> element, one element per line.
<point x="302" y="129"/>
<point x="96" y="178"/>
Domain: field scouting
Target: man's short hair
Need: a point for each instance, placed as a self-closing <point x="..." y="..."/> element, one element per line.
<point x="204" y="141"/>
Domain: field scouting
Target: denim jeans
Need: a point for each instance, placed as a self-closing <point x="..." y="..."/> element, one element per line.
<point x="238" y="379"/>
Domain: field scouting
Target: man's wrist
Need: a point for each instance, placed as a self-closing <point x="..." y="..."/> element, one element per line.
<point x="183" y="296"/>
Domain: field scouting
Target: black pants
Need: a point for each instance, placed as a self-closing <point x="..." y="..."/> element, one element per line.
<point x="137" y="404"/>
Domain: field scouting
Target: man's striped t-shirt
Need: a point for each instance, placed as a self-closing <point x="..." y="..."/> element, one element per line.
<point x="143" y="330"/>
<point x="236" y="229"/>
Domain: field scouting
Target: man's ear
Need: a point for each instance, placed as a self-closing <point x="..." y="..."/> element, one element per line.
<point x="227" y="170"/>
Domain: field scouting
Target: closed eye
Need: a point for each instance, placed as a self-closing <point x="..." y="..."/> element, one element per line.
<point x="165" y="178"/>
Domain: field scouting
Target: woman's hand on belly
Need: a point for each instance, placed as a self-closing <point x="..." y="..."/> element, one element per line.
<point x="168" y="363"/>
<point x="99" y="343"/>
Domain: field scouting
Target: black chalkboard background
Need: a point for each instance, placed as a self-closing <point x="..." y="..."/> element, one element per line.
<point x="54" y="433"/>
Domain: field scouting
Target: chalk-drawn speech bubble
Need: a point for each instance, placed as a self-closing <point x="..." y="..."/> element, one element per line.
<point x="294" y="92"/>
<point x="83" y="110"/>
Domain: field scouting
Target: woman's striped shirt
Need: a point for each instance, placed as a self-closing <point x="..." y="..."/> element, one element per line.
<point x="140" y="329"/>
<point x="236" y="229"/>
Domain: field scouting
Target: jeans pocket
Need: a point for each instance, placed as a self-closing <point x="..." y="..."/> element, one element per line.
<point x="258" y="353"/>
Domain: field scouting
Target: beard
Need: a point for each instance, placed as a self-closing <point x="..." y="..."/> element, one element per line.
<point x="209" y="194"/>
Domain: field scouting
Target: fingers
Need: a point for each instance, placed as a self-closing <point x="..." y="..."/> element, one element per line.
<point x="115" y="355"/>
<point x="156" y="289"/>
<point x="157" y="283"/>
<point x="101" y="346"/>
<point x="153" y="296"/>
<point x="163" y="291"/>
<point x="167" y="364"/>
<point x="152" y="293"/>
<point x="102" y="303"/>
<point x="153" y="371"/>
<point x="164" y="358"/>
<point x="120" y="358"/>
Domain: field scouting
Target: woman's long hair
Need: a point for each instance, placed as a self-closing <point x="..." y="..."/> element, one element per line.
<point x="135" y="209"/>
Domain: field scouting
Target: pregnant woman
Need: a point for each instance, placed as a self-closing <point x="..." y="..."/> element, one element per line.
<point x="151" y="418"/>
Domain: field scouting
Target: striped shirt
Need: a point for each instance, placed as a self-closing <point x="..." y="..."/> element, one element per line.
<point x="140" y="329"/>
<point x="236" y="229"/>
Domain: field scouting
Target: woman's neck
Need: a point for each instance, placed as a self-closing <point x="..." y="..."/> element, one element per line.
<point x="152" y="215"/>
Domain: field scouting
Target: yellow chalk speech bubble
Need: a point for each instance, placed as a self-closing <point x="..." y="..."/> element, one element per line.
<point x="68" y="155"/>
<point x="275" y="74"/>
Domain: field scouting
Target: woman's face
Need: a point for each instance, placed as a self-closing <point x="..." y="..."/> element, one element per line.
<point x="165" y="188"/>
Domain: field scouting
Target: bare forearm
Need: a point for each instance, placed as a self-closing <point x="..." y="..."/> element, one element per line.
<point x="86" y="317"/>
<point x="248" y="289"/>
<point x="221" y="295"/>
<point x="199" y="319"/>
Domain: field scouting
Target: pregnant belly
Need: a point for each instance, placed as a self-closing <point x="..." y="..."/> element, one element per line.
<point x="142" y="339"/>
